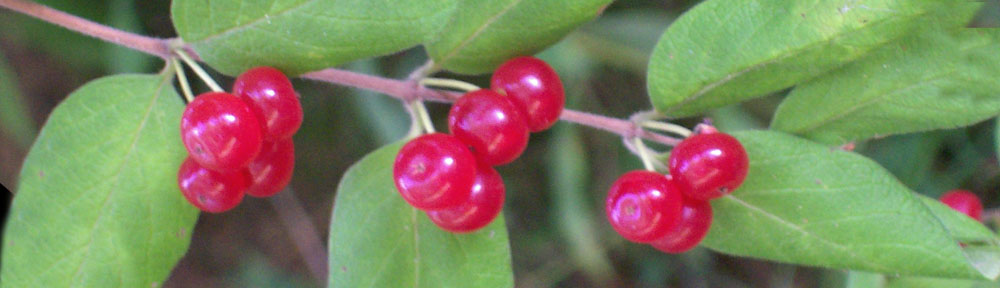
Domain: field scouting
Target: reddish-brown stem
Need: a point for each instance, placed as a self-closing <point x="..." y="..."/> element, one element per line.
<point x="149" y="45"/>
<point x="405" y="90"/>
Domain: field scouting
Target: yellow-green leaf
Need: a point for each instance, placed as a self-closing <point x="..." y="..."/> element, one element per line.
<point x="482" y="34"/>
<point x="935" y="79"/>
<point x="726" y="51"/>
<point x="298" y="36"/>
<point x="98" y="203"/>
<point x="808" y="204"/>
<point x="378" y="240"/>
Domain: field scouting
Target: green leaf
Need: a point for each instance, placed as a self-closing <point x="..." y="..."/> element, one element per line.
<point x="98" y="203"/>
<point x="14" y="119"/>
<point x="482" y="34"/>
<point x="378" y="240"/>
<point x="298" y="36"/>
<point x="805" y="203"/>
<point x="935" y="79"/>
<point x="726" y="51"/>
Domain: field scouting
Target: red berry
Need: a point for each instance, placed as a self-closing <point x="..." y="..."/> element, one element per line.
<point x="272" y="170"/>
<point x="211" y="191"/>
<point x="533" y="86"/>
<point x="709" y="166"/>
<point x="484" y="204"/>
<point x="642" y="205"/>
<point x="271" y="96"/>
<point x="965" y="202"/>
<point x="434" y="171"/>
<point x="220" y="132"/>
<point x="489" y="123"/>
<point x="696" y="218"/>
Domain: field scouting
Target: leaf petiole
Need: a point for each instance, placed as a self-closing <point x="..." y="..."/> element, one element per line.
<point x="449" y="83"/>
<point x="182" y="78"/>
<point x="667" y="127"/>
<point x="422" y="116"/>
<point x="198" y="70"/>
<point x="643" y="153"/>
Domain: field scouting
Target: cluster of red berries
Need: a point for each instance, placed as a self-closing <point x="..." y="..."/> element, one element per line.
<point x="965" y="202"/>
<point x="672" y="212"/>
<point x="241" y="142"/>
<point x="451" y="177"/>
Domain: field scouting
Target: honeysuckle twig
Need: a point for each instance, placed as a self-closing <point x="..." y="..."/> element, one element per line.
<point x="148" y="45"/>
<point x="402" y="89"/>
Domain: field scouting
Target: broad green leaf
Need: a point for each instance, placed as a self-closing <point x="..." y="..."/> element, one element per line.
<point x="298" y="36"/>
<point x="378" y="240"/>
<point x="726" y="51"/>
<point x="482" y="34"/>
<point x="14" y="119"/>
<point x="935" y="79"/>
<point x="805" y="203"/>
<point x="98" y="203"/>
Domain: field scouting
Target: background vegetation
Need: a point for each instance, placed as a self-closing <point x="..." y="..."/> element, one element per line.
<point x="558" y="233"/>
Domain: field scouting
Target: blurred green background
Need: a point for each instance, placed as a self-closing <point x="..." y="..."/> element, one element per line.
<point x="554" y="209"/>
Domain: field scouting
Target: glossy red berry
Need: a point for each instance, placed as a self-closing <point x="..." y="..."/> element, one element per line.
<point x="434" y="171"/>
<point x="965" y="202"/>
<point x="484" y="204"/>
<point x="220" y="132"/>
<point x="211" y="191"/>
<point x="533" y="86"/>
<point x="642" y="205"/>
<point x="489" y="123"/>
<point x="272" y="98"/>
<point x="696" y="218"/>
<point x="709" y="166"/>
<point x="272" y="170"/>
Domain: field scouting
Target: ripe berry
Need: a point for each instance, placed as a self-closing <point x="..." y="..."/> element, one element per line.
<point x="533" y="86"/>
<point x="489" y="123"/>
<point x="965" y="202"/>
<point x="272" y="170"/>
<point x="272" y="98"/>
<point x="434" y="171"/>
<point x="484" y="204"/>
<point x="220" y="131"/>
<point x="709" y="166"/>
<point x="696" y="218"/>
<point x="642" y="205"/>
<point x="211" y="191"/>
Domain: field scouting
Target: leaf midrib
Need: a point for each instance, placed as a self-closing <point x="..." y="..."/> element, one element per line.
<point x="117" y="175"/>
<point x="889" y="92"/>
<point x="803" y="231"/>
<point x="247" y="25"/>
<point x="792" y="53"/>
<point x="480" y="30"/>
